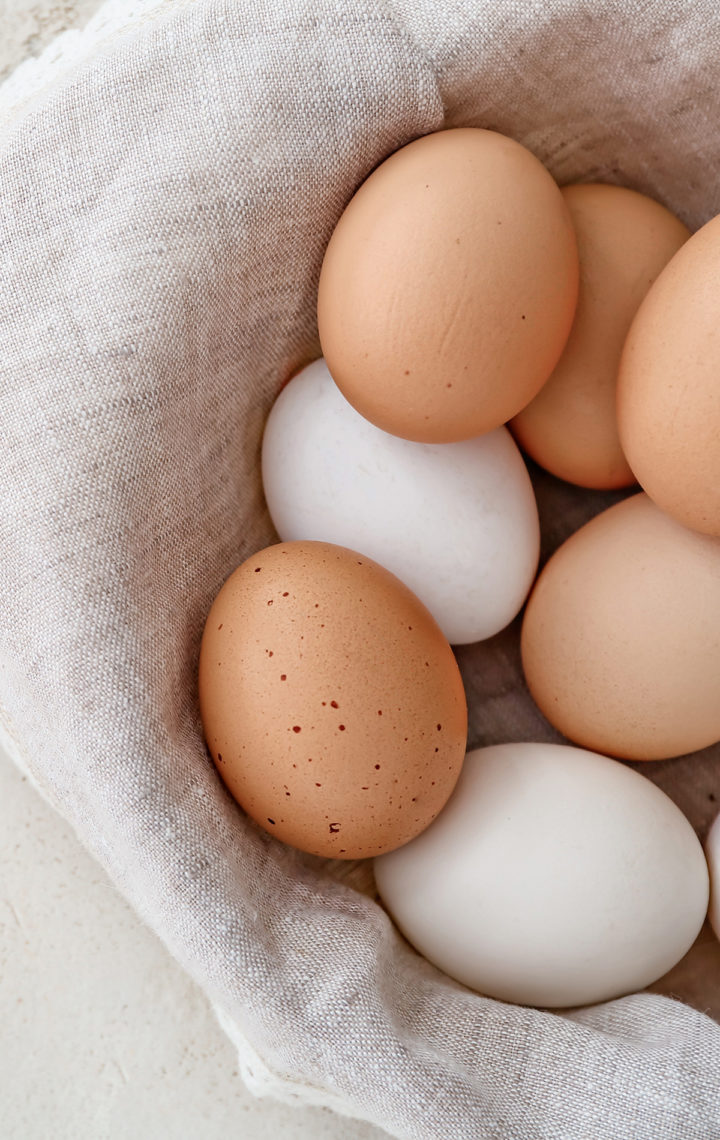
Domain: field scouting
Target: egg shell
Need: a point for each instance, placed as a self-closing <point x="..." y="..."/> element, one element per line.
<point x="553" y="877"/>
<point x="621" y="635"/>
<point x="331" y="703"/>
<point x="668" y="390"/>
<point x="712" y="849"/>
<point x="449" y="286"/>
<point x="624" y="239"/>
<point x="457" y="522"/>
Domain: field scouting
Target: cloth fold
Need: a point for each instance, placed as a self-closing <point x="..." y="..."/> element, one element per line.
<point x="169" y="183"/>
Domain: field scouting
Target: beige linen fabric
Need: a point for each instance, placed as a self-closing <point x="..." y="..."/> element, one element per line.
<point x="169" y="181"/>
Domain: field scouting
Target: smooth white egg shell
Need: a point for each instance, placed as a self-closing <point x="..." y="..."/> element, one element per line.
<point x="712" y="849"/>
<point x="553" y="877"/>
<point x="457" y="522"/>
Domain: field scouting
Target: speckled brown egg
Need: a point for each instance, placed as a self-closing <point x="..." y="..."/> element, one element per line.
<point x="621" y="636"/>
<point x="331" y="702"/>
<point x="448" y="287"/>
<point x="625" y="239"/>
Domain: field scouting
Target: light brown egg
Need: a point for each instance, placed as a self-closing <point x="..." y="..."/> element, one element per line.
<point x="669" y="386"/>
<point x="624" y="240"/>
<point x="331" y="702"/>
<point x="448" y="287"/>
<point x="621" y="637"/>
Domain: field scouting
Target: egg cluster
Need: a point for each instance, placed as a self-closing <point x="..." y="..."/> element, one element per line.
<point x="467" y="305"/>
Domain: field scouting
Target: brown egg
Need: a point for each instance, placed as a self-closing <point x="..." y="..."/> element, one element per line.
<point x="448" y="287"/>
<point x="331" y="702"/>
<point x="621" y="637"/>
<point x="624" y="241"/>
<point x="669" y="387"/>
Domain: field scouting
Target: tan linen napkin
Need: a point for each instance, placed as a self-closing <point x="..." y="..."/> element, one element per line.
<point x="169" y="181"/>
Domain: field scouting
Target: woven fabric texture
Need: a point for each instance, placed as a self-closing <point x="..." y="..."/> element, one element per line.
<point x="167" y="196"/>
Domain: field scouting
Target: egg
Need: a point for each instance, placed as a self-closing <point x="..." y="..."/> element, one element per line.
<point x="712" y="848"/>
<point x="668" y="391"/>
<point x="331" y="703"/>
<point x="621" y="636"/>
<point x="553" y="877"/>
<point x="448" y="287"/>
<point x="624" y="240"/>
<point x="456" y="522"/>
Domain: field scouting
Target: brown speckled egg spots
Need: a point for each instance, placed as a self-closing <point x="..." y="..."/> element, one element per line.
<point x="376" y="649"/>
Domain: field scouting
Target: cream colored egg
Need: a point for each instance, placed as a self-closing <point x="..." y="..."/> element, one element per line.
<point x="621" y="635"/>
<point x="625" y="239"/>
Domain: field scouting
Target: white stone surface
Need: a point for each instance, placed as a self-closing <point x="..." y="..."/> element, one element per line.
<point x="103" y="1036"/>
<point x="28" y="26"/>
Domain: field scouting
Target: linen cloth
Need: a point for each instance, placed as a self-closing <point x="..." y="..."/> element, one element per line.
<point x="170" y="178"/>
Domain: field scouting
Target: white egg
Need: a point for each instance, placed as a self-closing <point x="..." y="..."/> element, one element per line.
<point x="457" y="522"/>
<point x="712" y="849"/>
<point x="553" y="877"/>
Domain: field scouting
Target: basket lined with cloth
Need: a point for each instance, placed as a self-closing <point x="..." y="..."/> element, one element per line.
<point x="169" y="184"/>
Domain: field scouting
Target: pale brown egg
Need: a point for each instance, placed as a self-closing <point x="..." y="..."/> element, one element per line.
<point x="621" y="636"/>
<point x="448" y="287"/>
<point x="669" y="386"/>
<point x="331" y="702"/>
<point x="624" y="241"/>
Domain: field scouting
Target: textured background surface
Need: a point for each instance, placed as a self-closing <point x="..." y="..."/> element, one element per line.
<point x="103" y="1034"/>
<point x="28" y="27"/>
